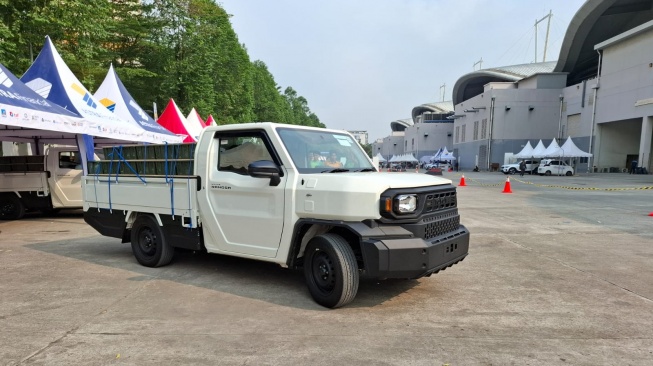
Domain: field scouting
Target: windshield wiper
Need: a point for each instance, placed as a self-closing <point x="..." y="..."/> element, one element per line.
<point x="366" y="170"/>
<point x="336" y="170"/>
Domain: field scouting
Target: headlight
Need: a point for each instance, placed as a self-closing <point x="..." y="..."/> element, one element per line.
<point x="406" y="203"/>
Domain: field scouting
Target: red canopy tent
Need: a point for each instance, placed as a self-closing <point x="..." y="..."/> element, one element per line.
<point x="174" y="121"/>
<point x="210" y="121"/>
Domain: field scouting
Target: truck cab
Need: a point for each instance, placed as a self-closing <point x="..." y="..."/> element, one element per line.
<point x="304" y="198"/>
<point x="45" y="183"/>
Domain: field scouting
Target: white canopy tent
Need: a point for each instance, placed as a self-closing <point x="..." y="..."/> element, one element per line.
<point x="539" y="149"/>
<point x="380" y="157"/>
<point x="552" y="151"/>
<point x="403" y="158"/>
<point x="571" y="150"/>
<point x="526" y="152"/>
<point x="447" y="157"/>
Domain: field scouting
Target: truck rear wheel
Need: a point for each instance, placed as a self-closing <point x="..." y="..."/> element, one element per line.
<point x="149" y="244"/>
<point x="330" y="270"/>
<point x="11" y="207"/>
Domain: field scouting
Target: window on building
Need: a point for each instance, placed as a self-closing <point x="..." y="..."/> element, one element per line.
<point x="462" y="136"/>
<point x="475" y="130"/>
<point x="457" y="138"/>
<point x="484" y="128"/>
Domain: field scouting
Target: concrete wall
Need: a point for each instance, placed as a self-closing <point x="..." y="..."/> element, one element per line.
<point x="425" y="139"/>
<point x="519" y="115"/>
<point x="626" y="78"/>
<point x="390" y="145"/>
<point x="622" y="115"/>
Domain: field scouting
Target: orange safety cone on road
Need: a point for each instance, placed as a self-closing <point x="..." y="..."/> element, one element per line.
<point x="651" y="214"/>
<point x="462" y="181"/>
<point x="506" y="187"/>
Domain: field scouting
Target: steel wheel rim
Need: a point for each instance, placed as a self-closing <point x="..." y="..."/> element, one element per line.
<point x="323" y="272"/>
<point x="7" y="208"/>
<point x="147" y="242"/>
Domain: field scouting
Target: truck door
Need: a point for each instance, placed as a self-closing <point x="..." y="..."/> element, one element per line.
<point x="65" y="178"/>
<point x="240" y="213"/>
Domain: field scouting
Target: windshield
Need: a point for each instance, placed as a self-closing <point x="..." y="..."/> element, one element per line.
<point x="322" y="152"/>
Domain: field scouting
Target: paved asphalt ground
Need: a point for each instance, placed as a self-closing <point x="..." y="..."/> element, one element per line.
<point x="555" y="276"/>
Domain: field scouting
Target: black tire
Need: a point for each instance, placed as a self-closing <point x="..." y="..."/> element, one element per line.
<point x="512" y="171"/>
<point x="330" y="270"/>
<point x="547" y="173"/>
<point x="149" y="244"/>
<point x="11" y="207"/>
<point x="569" y="174"/>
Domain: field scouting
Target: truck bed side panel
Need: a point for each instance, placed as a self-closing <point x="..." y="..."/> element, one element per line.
<point x="24" y="182"/>
<point x="174" y="196"/>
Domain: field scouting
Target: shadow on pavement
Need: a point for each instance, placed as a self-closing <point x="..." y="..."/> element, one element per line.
<point x="238" y="276"/>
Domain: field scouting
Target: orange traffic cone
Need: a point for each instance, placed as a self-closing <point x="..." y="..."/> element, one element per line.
<point x="462" y="181"/>
<point x="651" y="214"/>
<point x="506" y="187"/>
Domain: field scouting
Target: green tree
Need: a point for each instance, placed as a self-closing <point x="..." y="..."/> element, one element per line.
<point x="269" y="105"/>
<point x="199" y="60"/>
<point x="368" y="149"/>
<point x="161" y="49"/>
<point x="79" y="29"/>
<point x="301" y="114"/>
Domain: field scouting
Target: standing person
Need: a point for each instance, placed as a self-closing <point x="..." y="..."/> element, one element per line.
<point x="456" y="165"/>
<point x="633" y="166"/>
<point x="522" y="168"/>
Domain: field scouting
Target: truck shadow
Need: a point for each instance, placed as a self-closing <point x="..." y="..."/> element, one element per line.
<point x="237" y="276"/>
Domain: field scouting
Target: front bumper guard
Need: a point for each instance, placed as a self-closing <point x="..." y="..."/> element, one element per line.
<point x="413" y="257"/>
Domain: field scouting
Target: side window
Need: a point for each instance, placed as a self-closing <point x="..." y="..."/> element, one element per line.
<point x="238" y="151"/>
<point x="69" y="160"/>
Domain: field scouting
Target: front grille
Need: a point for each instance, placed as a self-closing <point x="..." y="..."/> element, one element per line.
<point x="441" y="226"/>
<point x="439" y="201"/>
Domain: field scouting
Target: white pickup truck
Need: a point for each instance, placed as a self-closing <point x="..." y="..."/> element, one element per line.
<point x="46" y="182"/>
<point x="297" y="196"/>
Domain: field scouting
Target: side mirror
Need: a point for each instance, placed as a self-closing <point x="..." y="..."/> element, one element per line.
<point x="265" y="169"/>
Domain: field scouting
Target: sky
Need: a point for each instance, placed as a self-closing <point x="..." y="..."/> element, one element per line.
<point x="365" y="63"/>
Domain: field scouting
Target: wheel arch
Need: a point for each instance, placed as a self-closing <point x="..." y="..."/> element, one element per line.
<point x="130" y="218"/>
<point x="306" y="229"/>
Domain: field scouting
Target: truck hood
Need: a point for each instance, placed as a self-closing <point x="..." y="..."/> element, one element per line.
<point x="352" y="196"/>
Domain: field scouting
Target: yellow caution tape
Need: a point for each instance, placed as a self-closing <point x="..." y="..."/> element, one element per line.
<point x="584" y="188"/>
<point x="559" y="186"/>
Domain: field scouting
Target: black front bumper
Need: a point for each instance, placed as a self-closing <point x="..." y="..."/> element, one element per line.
<point x="413" y="257"/>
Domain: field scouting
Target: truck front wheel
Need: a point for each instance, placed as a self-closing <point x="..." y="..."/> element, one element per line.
<point x="149" y="244"/>
<point x="330" y="270"/>
<point x="11" y="207"/>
